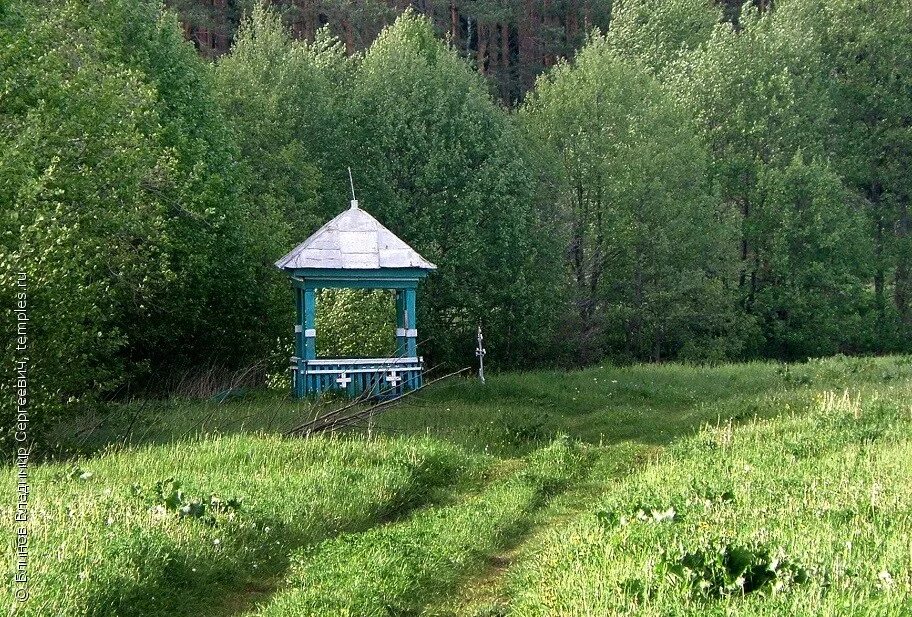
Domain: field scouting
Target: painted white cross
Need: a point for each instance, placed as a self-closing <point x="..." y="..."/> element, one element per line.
<point x="343" y="380"/>
<point x="393" y="378"/>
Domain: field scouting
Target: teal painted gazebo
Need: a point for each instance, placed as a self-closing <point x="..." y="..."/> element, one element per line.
<point x="354" y="250"/>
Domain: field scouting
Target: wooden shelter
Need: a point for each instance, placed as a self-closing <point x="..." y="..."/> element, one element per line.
<point x="354" y="250"/>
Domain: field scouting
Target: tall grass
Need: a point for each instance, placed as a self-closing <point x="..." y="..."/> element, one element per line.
<point x="398" y="569"/>
<point x="103" y="543"/>
<point x="653" y="404"/>
<point x="798" y="515"/>
<point x="792" y="499"/>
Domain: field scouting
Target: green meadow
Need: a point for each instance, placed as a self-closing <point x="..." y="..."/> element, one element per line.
<point x="742" y="489"/>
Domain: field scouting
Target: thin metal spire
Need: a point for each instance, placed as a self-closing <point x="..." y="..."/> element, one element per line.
<point x="354" y="202"/>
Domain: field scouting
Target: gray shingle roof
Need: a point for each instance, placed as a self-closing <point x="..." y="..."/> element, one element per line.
<point x="354" y="240"/>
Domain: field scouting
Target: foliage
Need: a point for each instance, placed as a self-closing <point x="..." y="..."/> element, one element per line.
<point x="868" y="75"/>
<point x="649" y="251"/>
<point x="725" y="569"/>
<point x="762" y="104"/>
<point x="124" y="215"/>
<point x="355" y="323"/>
<point x="682" y="189"/>
<point x="286" y="104"/>
<point x="657" y="32"/>
<point x="811" y="262"/>
<point x="441" y="167"/>
<point x="510" y="41"/>
<point x="168" y="495"/>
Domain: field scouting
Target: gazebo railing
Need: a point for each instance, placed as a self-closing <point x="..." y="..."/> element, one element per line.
<point x="379" y="376"/>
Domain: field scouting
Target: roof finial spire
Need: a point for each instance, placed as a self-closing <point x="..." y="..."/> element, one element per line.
<point x="354" y="202"/>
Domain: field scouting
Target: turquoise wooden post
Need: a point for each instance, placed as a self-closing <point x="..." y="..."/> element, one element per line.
<point x="411" y="324"/>
<point x="298" y="380"/>
<point x="400" y="323"/>
<point x="310" y="324"/>
<point x="411" y="335"/>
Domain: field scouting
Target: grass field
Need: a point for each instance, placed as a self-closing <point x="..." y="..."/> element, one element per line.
<point x="751" y="489"/>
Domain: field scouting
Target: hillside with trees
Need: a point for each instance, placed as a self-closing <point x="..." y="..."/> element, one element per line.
<point x="693" y="183"/>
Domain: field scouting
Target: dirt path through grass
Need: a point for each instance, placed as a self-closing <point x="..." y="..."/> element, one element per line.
<point x="257" y="591"/>
<point x="401" y="567"/>
<point x="484" y="593"/>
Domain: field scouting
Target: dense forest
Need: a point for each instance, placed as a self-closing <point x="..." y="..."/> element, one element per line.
<point x="623" y="181"/>
<point x="510" y="41"/>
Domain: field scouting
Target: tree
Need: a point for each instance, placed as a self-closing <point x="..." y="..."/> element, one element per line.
<point x="763" y="97"/>
<point x="649" y="250"/>
<point x="867" y="67"/>
<point x="440" y="165"/>
<point x="286" y="103"/>
<point x="212" y="305"/>
<point x="81" y="167"/>
<point x="508" y="40"/>
<point x="123" y="211"/>
<point x="808" y="233"/>
<point x="657" y="32"/>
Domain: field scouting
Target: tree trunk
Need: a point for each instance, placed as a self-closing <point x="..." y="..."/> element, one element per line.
<point x="505" y="46"/>
<point x="902" y="282"/>
<point x="526" y="45"/>
<point x="879" y="276"/>
<point x="505" y="62"/>
<point x="454" y="21"/>
<point x="657" y="346"/>
<point x="635" y="324"/>
<point x="481" y="52"/>
<point x="745" y="212"/>
<point x="349" y="36"/>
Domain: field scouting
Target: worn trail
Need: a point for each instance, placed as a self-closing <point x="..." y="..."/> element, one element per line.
<point x="486" y="592"/>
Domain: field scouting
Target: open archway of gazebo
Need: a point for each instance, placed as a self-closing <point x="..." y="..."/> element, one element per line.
<point x="355" y="251"/>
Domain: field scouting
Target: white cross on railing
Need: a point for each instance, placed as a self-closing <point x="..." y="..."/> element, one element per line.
<point x="393" y="378"/>
<point x="343" y="380"/>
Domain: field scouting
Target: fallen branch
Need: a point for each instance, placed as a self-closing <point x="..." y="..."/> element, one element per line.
<point x="334" y="419"/>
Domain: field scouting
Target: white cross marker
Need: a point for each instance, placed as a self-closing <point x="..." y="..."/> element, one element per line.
<point x="393" y="378"/>
<point x="343" y="380"/>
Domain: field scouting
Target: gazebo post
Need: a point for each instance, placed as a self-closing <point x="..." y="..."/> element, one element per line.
<point x="411" y="324"/>
<point x="299" y="365"/>
<point x="305" y="336"/>
<point x="400" y="324"/>
<point x="310" y="324"/>
<point x="411" y="335"/>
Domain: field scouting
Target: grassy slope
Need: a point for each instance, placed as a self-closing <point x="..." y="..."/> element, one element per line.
<point x="397" y="569"/>
<point x="649" y="404"/>
<point x="827" y="491"/>
<point x="98" y="548"/>
<point x="482" y="530"/>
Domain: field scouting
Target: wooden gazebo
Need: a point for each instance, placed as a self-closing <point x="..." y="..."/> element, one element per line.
<point x="354" y="250"/>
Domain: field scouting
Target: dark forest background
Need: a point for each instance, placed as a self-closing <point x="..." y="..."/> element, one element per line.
<point x="510" y="41"/>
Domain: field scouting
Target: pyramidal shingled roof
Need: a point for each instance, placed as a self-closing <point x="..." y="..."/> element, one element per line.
<point x="354" y="240"/>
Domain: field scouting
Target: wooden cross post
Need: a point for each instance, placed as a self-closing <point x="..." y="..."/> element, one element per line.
<point x="480" y="352"/>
